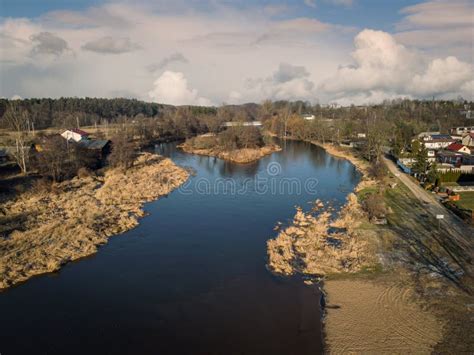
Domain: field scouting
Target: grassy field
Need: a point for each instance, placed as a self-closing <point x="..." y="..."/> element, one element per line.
<point x="467" y="200"/>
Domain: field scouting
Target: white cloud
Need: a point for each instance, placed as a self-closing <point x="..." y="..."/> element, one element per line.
<point x="227" y="52"/>
<point x="381" y="65"/>
<point x="439" y="26"/>
<point x="172" y="88"/>
<point x="288" y="82"/>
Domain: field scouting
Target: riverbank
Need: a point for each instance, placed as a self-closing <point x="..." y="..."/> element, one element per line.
<point x="75" y="217"/>
<point x="386" y="287"/>
<point x="239" y="156"/>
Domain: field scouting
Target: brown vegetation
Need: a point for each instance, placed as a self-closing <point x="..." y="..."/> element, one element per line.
<point x="309" y="247"/>
<point x="53" y="227"/>
<point x="236" y="144"/>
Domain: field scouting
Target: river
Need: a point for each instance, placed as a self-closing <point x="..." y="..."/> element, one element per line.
<point x="192" y="277"/>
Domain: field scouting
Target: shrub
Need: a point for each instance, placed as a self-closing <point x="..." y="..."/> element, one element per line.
<point x="374" y="204"/>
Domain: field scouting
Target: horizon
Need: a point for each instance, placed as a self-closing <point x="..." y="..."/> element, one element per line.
<point x="214" y="52"/>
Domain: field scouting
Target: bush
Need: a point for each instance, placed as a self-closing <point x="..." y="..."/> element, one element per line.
<point x="378" y="170"/>
<point x="374" y="204"/>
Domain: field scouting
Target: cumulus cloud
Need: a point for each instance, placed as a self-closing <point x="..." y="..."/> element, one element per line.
<point x="48" y="43"/>
<point x="288" y="82"/>
<point x="173" y="58"/>
<point x="381" y="65"/>
<point x="111" y="45"/>
<point x="172" y="88"/>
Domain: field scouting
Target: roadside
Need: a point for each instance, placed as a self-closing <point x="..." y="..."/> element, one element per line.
<point x="48" y="226"/>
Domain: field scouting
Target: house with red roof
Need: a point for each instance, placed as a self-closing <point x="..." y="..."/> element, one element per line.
<point x="459" y="148"/>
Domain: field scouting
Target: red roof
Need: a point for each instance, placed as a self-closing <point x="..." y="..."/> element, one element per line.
<point x="79" y="131"/>
<point x="455" y="147"/>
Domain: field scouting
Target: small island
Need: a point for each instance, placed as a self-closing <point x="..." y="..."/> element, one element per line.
<point x="239" y="143"/>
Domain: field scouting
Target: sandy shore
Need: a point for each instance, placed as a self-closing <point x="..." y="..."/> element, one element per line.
<point x="369" y="318"/>
<point x="71" y="221"/>
<point x="240" y="156"/>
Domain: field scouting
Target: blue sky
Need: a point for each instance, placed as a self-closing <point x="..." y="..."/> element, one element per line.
<point x="214" y="51"/>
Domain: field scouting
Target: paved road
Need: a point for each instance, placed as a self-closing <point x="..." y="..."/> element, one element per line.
<point x="457" y="227"/>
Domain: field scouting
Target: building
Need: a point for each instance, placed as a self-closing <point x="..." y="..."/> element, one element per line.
<point x="308" y="116"/>
<point x="437" y="141"/>
<point x="74" y="134"/>
<point x="459" y="148"/>
<point x="459" y="131"/>
<point x="425" y="135"/>
<point x="449" y="157"/>
<point x="100" y="148"/>
<point x="468" y="139"/>
<point x="431" y="153"/>
<point x="242" y="124"/>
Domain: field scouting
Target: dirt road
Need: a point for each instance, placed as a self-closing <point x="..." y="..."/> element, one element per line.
<point x="452" y="223"/>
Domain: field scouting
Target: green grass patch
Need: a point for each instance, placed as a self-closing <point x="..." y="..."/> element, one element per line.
<point x="467" y="200"/>
<point x="362" y="194"/>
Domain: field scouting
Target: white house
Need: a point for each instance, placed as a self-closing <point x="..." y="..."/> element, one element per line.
<point x="426" y="135"/>
<point x="437" y="141"/>
<point x="468" y="140"/>
<point x="459" y="131"/>
<point x="431" y="155"/>
<point x="74" y="134"/>
<point x="242" y="124"/>
<point x="308" y="116"/>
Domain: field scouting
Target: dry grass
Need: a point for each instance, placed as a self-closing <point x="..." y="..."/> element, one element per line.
<point x="308" y="246"/>
<point x="240" y="156"/>
<point x="70" y="221"/>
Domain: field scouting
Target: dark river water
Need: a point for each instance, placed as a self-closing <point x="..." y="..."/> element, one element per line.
<point x="192" y="277"/>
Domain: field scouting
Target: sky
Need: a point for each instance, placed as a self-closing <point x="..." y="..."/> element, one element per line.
<point x="210" y="52"/>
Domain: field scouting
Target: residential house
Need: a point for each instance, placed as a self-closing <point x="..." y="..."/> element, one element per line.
<point x="308" y="116"/>
<point x="425" y="135"/>
<point x="437" y="141"/>
<point x="431" y="155"/>
<point x="459" y="131"/>
<point x="468" y="139"/>
<point x="450" y="157"/>
<point x="75" y="134"/>
<point x="100" y="148"/>
<point x="458" y="147"/>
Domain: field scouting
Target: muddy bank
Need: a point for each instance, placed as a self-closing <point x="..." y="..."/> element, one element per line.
<point x="240" y="156"/>
<point x="77" y="216"/>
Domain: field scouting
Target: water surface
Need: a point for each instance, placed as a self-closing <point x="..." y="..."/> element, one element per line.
<point x="191" y="278"/>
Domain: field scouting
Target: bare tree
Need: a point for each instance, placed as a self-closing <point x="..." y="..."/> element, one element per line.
<point x="18" y="120"/>
<point x="122" y="154"/>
